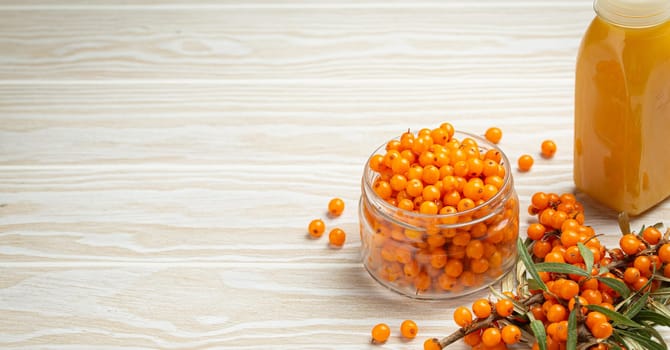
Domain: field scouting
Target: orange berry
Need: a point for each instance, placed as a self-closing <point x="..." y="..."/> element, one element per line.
<point x="539" y="200"/>
<point x="651" y="235"/>
<point x="664" y="253"/>
<point x="555" y="257"/>
<point x="453" y="268"/>
<point x="511" y="334"/>
<point x="630" y="244"/>
<point x="335" y="207"/>
<point x="316" y="228"/>
<point x="525" y="162"/>
<point x="409" y="329"/>
<point x="595" y="317"/>
<point x="569" y="289"/>
<point x="592" y="296"/>
<point x="631" y="274"/>
<point x="541" y="249"/>
<point x="493" y="134"/>
<point x="582" y="301"/>
<point x="569" y="238"/>
<point x="336" y="237"/>
<point x="473" y="339"/>
<point x="481" y="308"/>
<point x="462" y="316"/>
<point x="557" y="313"/>
<point x="380" y="333"/>
<point x="536" y="309"/>
<point x="548" y="148"/>
<point x="491" y="336"/>
<point x="536" y="231"/>
<point x="602" y="330"/>
<point x="432" y="344"/>
<point x="643" y="263"/>
<point x="504" y="307"/>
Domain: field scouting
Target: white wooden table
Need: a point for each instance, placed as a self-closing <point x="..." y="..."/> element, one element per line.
<point x="160" y="160"/>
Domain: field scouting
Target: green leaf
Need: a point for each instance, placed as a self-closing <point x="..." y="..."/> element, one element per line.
<point x="528" y="263"/>
<point x="617" y="285"/>
<point x="572" y="330"/>
<point x="561" y="268"/>
<point x="616" y="317"/>
<point x="634" y="308"/>
<point x="654" y="318"/>
<point x="643" y="338"/>
<point x="540" y="334"/>
<point x="533" y="284"/>
<point x="587" y="255"/>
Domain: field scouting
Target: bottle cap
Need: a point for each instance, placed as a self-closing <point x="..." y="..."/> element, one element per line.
<point x="633" y="13"/>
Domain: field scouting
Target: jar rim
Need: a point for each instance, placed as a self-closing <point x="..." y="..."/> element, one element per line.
<point x="499" y="197"/>
<point x="633" y="14"/>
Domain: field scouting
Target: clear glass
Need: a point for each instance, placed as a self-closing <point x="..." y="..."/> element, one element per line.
<point x="622" y="106"/>
<point x="400" y="248"/>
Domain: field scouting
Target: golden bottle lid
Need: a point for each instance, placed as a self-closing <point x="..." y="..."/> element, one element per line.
<point x="633" y="13"/>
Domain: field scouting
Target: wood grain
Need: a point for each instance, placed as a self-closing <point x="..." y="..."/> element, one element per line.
<point x="307" y="43"/>
<point x="160" y="160"/>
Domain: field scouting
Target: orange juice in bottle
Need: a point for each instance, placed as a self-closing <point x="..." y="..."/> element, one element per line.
<point x="622" y="105"/>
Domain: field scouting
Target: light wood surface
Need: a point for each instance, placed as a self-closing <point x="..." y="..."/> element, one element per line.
<point x="160" y="161"/>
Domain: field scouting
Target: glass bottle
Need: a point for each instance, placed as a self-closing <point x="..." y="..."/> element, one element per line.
<point x="622" y="105"/>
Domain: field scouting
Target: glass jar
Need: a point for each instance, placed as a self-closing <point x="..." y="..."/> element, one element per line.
<point x="622" y="105"/>
<point x="444" y="255"/>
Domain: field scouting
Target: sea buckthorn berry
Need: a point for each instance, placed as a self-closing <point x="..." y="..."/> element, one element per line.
<point x="572" y="255"/>
<point x="428" y="208"/>
<point x="462" y="316"/>
<point x="398" y="182"/>
<point x="491" y="336"/>
<point x="481" y="308"/>
<point x="380" y="333"/>
<point x="453" y="268"/>
<point x="582" y="301"/>
<point x="541" y="249"/>
<point x="316" y="228"/>
<point x="474" y="249"/>
<point x="602" y="330"/>
<point x="555" y="257"/>
<point x="414" y="187"/>
<point x="493" y="134"/>
<point x="651" y="235"/>
<point x="525" y="162"/>
<point x="639" y="284"/>
<point x="539" y="200"/>
<point x="504" y="307"/>
<point x="630" y="244"/>
<point x="548" y="148"/>
<point x="592" y="296"/>
<point x="664" y="253"/>
<point x="595" y="317"/>
<point x="473" y="339"/>
<point x="336" y="237"/>
<point x="643" y="263"/>
<point x="511" y="334"/>
<point x="335" y="207"/>
<point x="569" y="238"/>
<point x="557" y="313"/>
<point x="569" y="289"/>
<point x="536" y="231"/>
<point x="432" y="344"/>
<point x="400" y="165"/>
<point x="383" y="189"/>
<point x="409" y="329"/>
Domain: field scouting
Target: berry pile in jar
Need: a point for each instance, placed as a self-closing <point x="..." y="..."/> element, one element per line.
<point x="450" y="219"/>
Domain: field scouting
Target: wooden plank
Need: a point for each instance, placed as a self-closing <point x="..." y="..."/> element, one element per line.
<point x="292" y="43"/>
<point x="209" y="307"/>
<point x="229" y="214"/>
<point x="274" y="123"/>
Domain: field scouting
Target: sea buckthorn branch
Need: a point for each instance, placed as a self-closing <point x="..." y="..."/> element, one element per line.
<point x="582" y="295"/>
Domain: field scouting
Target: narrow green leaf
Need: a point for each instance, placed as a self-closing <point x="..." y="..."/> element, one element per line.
<point x="617" y="285"/>
<point x="540" y="334"/>
<point x="616" y="317"/>
<point x="657" y="335"/>
<point x="528" y="263"/>
<point x="587" y="255"/>
<point x="661" y="292"/>
<point x="643" y="338"/>
<point x="654" y="318"/>
<point x="561" y="268"/>
<point x="635" y="307"/>
<point x="661" y="278"/>
<point x="533" y="284"/>
<point x="572" y="330"/>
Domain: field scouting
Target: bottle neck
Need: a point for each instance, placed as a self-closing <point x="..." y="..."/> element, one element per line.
<point x="633" y="13"/>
